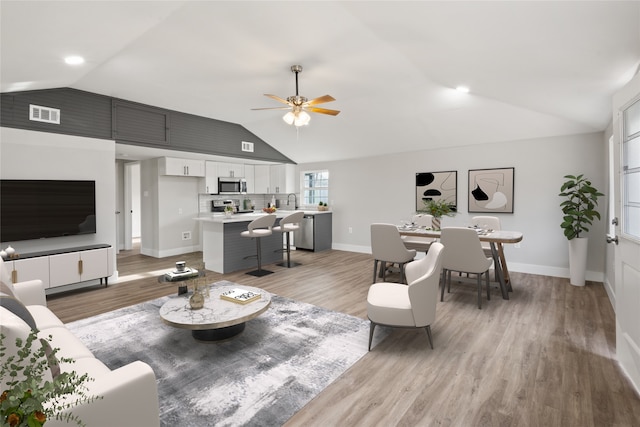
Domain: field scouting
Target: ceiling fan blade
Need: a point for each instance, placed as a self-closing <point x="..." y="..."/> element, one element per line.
<point x="277" y="98"/>
<point x="320" y="100"/>
<point x="273" y="108"/>
<point x="323" y="111"/>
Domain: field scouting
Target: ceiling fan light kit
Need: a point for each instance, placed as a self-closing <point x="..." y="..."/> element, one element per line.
<point x="299" y="105"/>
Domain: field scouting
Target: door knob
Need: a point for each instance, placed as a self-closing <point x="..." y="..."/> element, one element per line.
<point x="612" y="239"/>
<point x="614" y="221"/>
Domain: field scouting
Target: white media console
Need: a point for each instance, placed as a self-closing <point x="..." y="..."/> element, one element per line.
<point x="64" y="266"/>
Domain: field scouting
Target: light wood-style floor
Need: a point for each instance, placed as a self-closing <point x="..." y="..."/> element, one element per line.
<point x="546" y="357"/>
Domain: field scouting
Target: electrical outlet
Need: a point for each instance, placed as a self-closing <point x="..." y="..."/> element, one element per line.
<point x="186" y="235"/>
<point x="350" y="230"/>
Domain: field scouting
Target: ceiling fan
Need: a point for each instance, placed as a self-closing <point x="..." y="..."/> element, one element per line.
<point x="299" y="105"/>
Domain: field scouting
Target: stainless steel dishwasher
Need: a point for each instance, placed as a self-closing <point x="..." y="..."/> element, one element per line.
<point x="303" y="238"/>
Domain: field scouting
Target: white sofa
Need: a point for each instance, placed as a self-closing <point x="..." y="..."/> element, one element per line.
<point x="129" y="393"/>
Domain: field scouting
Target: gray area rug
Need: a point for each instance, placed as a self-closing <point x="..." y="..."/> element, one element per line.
<point x="281" y="361"/>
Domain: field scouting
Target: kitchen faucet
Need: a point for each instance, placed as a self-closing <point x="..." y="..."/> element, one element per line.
<point x="295" y="200"/>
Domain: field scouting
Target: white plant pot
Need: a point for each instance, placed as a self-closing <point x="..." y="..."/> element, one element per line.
<point x="578" y="260"/>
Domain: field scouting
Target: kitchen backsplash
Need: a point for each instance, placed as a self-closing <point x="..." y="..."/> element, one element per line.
<point x="259" y="200"/>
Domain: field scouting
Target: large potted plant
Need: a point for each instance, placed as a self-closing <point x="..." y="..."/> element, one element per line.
<point x="437" y="209"/>
<point x="579" y="211"/>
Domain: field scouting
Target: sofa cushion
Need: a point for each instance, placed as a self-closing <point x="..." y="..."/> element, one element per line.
<point x="44" y="317"/>
<point x="69" y="346"/>
<point x="13" y="327"/>
<point x="19" y="309"/>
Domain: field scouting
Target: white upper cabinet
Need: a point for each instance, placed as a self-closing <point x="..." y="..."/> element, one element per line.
<point x="230" y="170"/>
<point x="210" y="178"/>
<point x="181" y="167"/>
<point x="261" y="178"/>
<point x="249" y="176"/>
<point x="282" y="179"/>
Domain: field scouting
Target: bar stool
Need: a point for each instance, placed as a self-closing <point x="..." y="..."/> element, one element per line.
<point x="258" y="228"/>
<point x="288" y="224"/>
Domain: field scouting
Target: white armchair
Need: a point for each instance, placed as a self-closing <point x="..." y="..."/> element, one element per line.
<point x="413" y="306"/>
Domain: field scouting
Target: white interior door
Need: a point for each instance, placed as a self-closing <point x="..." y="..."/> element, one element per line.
<point x="626" y="131"/>
<point x="128" y="210"/>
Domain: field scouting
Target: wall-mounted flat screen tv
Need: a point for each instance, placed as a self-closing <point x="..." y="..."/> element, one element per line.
<point x="37" y="209"/>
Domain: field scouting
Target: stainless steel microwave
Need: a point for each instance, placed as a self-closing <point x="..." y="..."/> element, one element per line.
<point x="232" y="185"/>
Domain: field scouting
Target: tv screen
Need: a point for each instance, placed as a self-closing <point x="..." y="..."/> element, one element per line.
<point x="37" y="209"/>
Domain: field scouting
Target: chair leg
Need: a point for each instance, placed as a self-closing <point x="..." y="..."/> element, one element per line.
<point x="402" y="279"/>
<point x="259" y="272"/>
<point x="479" y="291"/>
<point x="449" y="282"/>
<point x="428" y="329"/>
<point x="443" y="280"/>
<point x="488" y="288"/>
<point x="372" y="327"/>
<point x="375" y="269"/>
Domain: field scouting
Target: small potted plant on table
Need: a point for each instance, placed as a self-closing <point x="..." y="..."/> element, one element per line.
<point x="437" y="209"/>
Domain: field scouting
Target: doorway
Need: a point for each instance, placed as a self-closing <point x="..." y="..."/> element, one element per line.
<point x="132" y="218"/>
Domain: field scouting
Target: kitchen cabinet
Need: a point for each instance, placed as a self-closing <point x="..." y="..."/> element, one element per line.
<point x="249" y="176"/>
<point x="262" y="178"/>
<point x="230" y="170"/>
<point x="210" y="178"/>
<point x="181" y="167"/>
<point x="281" y="179"/>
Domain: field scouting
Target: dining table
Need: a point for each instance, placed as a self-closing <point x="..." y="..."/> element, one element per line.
<point x="496" y="239"/>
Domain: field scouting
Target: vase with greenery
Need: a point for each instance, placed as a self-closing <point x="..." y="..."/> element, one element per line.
<point x="437" y="209"/>
<point x="29" y="397"/>
<point x="579" y="203"/>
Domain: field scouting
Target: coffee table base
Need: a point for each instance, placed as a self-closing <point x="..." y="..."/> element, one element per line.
<point x="218" y="334"/>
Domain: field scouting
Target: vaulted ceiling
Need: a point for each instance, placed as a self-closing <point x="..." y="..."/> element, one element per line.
<point x="534" y="69"/>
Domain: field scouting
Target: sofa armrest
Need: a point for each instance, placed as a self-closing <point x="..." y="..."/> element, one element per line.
<point x="129" y="399"/>
<point x="30" y="292"/>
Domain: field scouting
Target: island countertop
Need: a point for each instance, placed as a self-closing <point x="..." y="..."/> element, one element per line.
<point x="221" y="218"/>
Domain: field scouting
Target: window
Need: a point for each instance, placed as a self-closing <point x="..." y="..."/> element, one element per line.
<point x="315" y="187"/>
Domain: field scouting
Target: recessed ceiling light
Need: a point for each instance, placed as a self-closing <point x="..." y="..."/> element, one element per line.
<point x="74" y="60"/>
<point x="462" y="89"/>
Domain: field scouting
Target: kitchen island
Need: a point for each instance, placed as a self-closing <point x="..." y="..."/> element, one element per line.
<point x="225" y="251"/>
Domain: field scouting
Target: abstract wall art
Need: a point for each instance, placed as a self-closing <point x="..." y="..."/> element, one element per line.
<point x="436" y="186"/>
<point x="491" y="190"/>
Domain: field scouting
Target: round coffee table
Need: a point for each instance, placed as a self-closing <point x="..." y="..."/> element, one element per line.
<point x="218" y="319"/>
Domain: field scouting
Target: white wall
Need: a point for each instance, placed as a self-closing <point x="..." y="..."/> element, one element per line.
<point x="381" y="189"/>
<point x="39" y="155"/>
<point x="169" y="205"/>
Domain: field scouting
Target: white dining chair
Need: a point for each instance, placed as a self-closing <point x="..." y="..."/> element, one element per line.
<point x="387" y="246"/>
<point x="463" y="253"/>
<point x="412" y="306"/>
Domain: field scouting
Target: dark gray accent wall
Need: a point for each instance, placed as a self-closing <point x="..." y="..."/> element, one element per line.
<point x="81" y="113"/>
<point x="97" y="116"/>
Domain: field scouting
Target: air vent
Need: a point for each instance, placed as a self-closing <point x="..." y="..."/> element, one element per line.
<point x="38" y="113"/>
<point x="247" y="146"/>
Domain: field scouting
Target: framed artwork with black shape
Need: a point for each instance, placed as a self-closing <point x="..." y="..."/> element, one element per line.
<point x="491" y="190"/>
<point x="437" y="186"/>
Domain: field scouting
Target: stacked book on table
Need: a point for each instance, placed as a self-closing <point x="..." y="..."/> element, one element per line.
<point x="240" y="296"/>
<point x="181" y="275"/>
